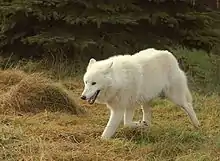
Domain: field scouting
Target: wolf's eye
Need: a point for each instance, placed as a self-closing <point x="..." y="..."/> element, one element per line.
<point x="93" y="83"/>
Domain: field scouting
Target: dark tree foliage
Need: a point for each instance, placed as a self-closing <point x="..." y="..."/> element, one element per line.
<point x="100" y="28"/>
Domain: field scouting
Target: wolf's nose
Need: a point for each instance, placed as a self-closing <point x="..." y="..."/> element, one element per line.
<point x="83" y="97"/>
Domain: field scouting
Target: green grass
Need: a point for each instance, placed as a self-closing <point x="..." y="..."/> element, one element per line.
<point x="62" y="136"/>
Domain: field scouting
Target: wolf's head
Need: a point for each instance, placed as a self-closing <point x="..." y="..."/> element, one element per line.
<point x="96" y="79"/>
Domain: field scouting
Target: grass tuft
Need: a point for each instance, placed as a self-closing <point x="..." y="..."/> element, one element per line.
<point x="34" y="93"/>
<point x="9" y="78"/>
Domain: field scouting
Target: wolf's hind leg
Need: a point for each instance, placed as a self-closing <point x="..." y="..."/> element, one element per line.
<point x="179" y="94"/>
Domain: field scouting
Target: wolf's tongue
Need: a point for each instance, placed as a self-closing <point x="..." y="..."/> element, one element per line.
<point x="91" y="100"/>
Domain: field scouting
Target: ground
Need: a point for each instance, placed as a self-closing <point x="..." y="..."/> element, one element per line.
<point x="64" y="136"/>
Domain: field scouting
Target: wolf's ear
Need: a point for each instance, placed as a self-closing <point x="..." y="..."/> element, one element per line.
<point x="91" y="61"/>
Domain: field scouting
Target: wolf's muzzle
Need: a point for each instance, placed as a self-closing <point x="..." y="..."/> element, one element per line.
<point x="83" y="97"/>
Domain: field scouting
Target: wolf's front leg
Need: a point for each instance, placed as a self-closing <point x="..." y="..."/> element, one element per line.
<point x="147" y="114"/>
<point x="113" y="123"/>
<point x="128" y="119"/>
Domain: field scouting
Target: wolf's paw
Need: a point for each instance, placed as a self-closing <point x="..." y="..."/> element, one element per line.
<point x="142" y="124"/>
<point x="138" y="124"/>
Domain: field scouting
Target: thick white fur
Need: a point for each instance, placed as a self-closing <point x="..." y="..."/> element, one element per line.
<point x="126" y="81"/>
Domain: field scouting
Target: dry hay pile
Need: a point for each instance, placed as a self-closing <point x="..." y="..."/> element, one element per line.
<point x="35" y="93"/>
<point x="9" y="78"/>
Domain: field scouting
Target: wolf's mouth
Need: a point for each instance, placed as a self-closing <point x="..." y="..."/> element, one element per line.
<point x="92" y="99"/>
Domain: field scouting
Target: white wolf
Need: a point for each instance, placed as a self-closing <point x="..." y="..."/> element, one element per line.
<point x="125" y="81"/>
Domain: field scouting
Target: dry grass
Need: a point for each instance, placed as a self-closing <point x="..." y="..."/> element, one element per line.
<point x="34" y="93"/>
<point x="9" y="78"/>
<point x="62" y="136"/>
